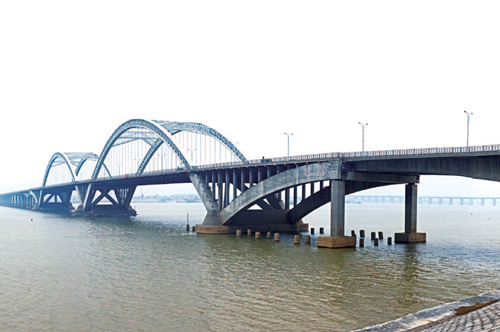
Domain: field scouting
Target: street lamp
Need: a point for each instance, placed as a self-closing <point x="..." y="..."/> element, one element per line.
<point x="363" y="135"/>
<point x="288" y="144"/>
<point x="468" y="115"/>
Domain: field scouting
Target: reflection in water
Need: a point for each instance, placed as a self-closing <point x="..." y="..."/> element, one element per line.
<point x="148" y="274"/>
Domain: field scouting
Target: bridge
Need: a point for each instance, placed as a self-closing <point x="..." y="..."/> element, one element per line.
<point x="239" y="193"/>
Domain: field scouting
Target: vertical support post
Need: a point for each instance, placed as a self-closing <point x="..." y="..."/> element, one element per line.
<point x="411" y="208"/>
<point x="235" y="184"/>
<point x="250" y="181"/>
<point x="213" y="185"/>
<point x="219" y="189"/>
<point x="411" y="202"/>
<point x="337" y="238"/>
<point x="226" y="189"/>
<point x="242" y="183"/>
<point x="295" y="196"/>
<point x="287" y="199"/>
<point x="337" y="216"/>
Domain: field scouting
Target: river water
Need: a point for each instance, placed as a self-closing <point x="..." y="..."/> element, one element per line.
<point x="146" y="273"/>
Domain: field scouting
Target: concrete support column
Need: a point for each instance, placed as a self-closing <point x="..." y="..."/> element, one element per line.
<point x="226" y="189"/>
<point x="250" y="183"/>
<point x="303" y="192"/>
<point x="235" y="184"/>
<point x="259" y="175"/>
<point x="410" y="235"/>
<point x="294" y="196"/>
<point x="411" y="208"/>
<point x="337" y="219"/>
<point x="213" y="185"/>
<point x="287" y="199"/>
<point x="337" y="215"/>
<point x="242" y="183"/>
<point x="219" y="190"/>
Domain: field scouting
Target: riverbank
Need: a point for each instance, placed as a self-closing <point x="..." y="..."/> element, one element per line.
<point x="478" y="313"/>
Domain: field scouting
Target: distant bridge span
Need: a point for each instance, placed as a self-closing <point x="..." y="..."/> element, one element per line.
<point x="266" y="194"/>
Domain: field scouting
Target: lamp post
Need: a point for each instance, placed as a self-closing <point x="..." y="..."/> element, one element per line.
<point x="363" y="135"/>
<point x="288" y="144"/>
<point x="468" y="116"/>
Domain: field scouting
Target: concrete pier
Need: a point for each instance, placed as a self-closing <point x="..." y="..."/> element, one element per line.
<point x="410" y="235"/>
<point x="337" y="238"/>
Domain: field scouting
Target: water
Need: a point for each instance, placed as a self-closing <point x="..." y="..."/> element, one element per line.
<point x="147" y="274"/>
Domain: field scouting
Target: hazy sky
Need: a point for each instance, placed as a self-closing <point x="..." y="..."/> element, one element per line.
<point x="71" y="72"/>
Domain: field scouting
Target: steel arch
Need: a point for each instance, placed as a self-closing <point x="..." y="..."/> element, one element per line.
<point x="65" y="159"/>
<point x="144" y="124"/>
<point x="199" y="128"/>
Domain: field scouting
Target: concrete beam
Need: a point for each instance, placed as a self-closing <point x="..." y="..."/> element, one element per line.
<point x="381" y="177"/>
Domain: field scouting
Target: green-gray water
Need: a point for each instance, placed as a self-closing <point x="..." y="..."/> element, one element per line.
<point x="147" y="274"/>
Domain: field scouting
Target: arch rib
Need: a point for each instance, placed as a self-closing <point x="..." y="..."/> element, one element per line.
<point x="139" y="123"/>
<point x="199" y="128"/>
<point x="66" y="160"/>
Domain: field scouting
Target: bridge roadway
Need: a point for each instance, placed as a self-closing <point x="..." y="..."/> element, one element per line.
<point x="230" y="190"/>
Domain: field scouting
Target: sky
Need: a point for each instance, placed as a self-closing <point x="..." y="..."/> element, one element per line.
<point x="71" y="72"/>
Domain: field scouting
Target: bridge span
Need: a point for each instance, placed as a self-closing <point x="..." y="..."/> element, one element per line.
<point x="265" y="195"/>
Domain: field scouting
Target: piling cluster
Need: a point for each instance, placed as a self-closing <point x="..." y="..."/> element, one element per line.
<point x="296" y="239"/>
<point x="376" y="237"/>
